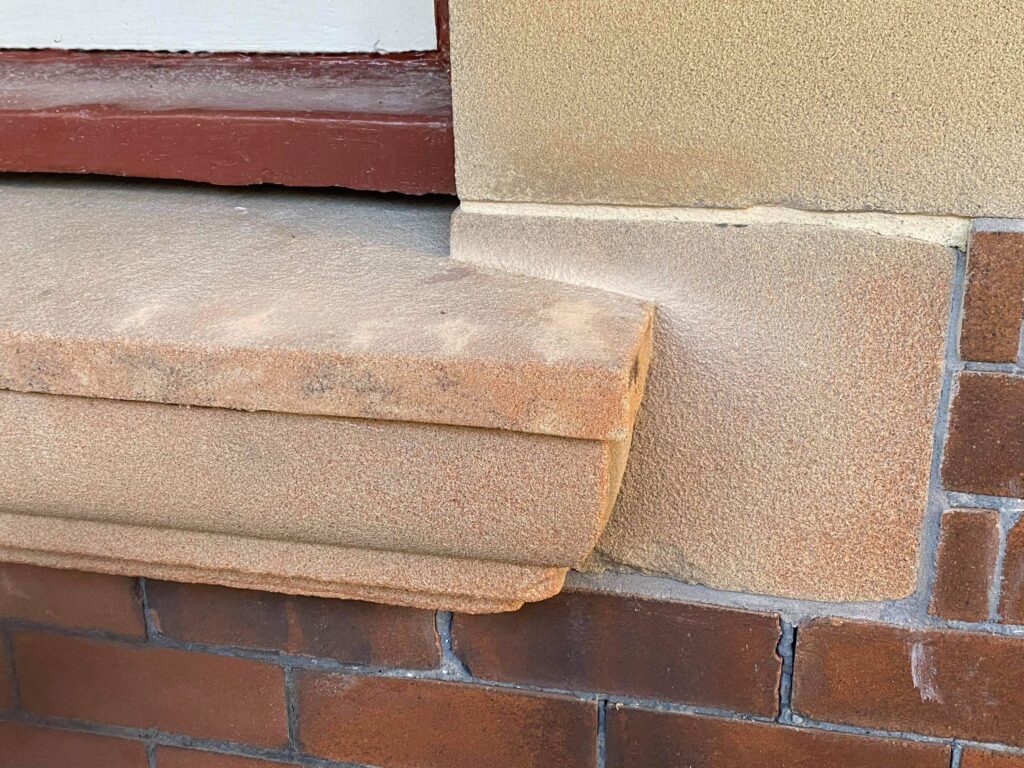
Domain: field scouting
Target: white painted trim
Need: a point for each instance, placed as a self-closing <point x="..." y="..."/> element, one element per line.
<point x="267" y="26"/>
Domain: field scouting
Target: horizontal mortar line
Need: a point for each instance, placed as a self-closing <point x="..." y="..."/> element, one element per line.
<point x="950" y="231"/>
<point x="801" y="721"/>
<point x="961" y="499"/>
<point x="1008" y="368"/>
<point x="168" y="739"/>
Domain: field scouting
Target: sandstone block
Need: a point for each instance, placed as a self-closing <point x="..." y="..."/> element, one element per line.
<point x="300" y="392"/>
<point x="785" y="441"/>
<point x="835" y="106"/>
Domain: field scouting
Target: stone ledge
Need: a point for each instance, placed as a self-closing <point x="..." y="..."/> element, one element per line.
<point x="425" y="432"/>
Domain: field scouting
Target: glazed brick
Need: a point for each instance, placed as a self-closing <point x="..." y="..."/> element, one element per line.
<point x="23" y="746"/>
<point x="1011" y="602"/>
<point x="965" y="564"/>
<point x="979" y="758"/>
<point x="346" y="630"/>
<point x="994" y="299"/>
<point x="197" y="694"/>
<point x="936" y="682"/>
<point x="408" y="723"/>
<point x="6" y="684"/>
<point x="174" y="757"/>
<point x="70" y="599"/>
<point x="679" y="652"/>
<point x="985" y="447"/>
<point x="639" y="738"/>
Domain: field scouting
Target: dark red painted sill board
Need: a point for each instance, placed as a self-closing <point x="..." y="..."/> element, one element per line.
<point x="361" y="122"/>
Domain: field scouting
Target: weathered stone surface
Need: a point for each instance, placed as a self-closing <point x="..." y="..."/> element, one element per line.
<point x="300" y="303"/>
<point x="784" y="444"/>
<point x="338" y="507"/>
<point x="425" y="432"/>
<point x="834" y="106"/>
<point x="965" y="564"/>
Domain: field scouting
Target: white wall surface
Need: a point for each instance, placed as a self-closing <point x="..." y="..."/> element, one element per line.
<point x="271" y="26"/>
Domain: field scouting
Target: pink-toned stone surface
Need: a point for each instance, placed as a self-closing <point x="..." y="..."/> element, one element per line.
<point x="784" y="444"/>
<point x="291" y="497"/>
<point x="303" y="303"/>
<point x="374" y="420"/>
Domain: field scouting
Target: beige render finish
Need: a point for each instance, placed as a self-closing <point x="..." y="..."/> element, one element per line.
<point x="910" y="106"/>
<point x="784" y="442"/>
<point x="427" y="432"/>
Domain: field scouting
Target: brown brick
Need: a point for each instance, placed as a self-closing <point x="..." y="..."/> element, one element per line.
<point x="197" y="694"/>
<point x="22" y="746"/>
<point x="644" y="739"/>
<point x="980" y="758"/>
<point x="985" y="447"/>
<point x="70" y="599"/>
<point x="407" y="723"/>
<point x="941" y="683"/>
<point x="1011" y="603"/>
<point x="984" y="759"/>
<point x="965" y="564"/>
<point x="347" y="630"/>
<point x="994" y="300"/>
<point x="174" y="757"/>
<point x="679" y="652"/>
<point x="6" y="684"/>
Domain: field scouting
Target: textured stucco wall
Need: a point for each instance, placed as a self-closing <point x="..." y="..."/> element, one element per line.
<point x="866" y="105"/>
<point x="784" y="442"/>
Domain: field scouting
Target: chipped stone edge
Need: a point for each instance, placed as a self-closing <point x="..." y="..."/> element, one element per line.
<point x="949" y="231"/>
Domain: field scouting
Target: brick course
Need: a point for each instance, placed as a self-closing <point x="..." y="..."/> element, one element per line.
<point x="23" y="746"/>
<point x="680" y="652"/>
<point x="935" y="682"/>
<point x="403" y="723"/>
<point x="965" y="565"/>
<point x="346" y="630"/>
<point x="197" y="694"/>
<point x="174" y="757"/>
<point x="6" y="684"/>
<point x="985" y="446"/>
<point x="994" y="299"/>
<point x="979" y="758"/>
<point x="70" y="599"/>
<point x="1011" y="603"/>
<point x="645" y="739"/>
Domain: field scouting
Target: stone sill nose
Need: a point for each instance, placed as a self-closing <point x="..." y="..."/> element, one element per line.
<point x="300" y="392"/>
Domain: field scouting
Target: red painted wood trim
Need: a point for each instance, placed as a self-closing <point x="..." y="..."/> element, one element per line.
<point x="357" y="121"/>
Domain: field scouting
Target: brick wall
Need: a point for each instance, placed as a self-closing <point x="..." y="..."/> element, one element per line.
<point x="621" y="671"/>
<point x="116" y="673"/>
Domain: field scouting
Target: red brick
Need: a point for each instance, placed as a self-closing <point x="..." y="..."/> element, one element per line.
<point x="941" y="683"/>
<point x="966" y="564"/>
<point x="22" y="746"/>
<point x="173" y="757"/>
<point x="408" y="723"/>
<point x="6" y="684"/>
<point x="643" y="739"/>
<point x="979" y="758"/>
<point x="1011" y="603"/>
<point x="346" y="630"/>
<point x="680" y="652"/>
<point x="994" y="300"/>
<point x="70" y="599"/>
<point x="198" y="694"/>
<point x="985" y="448"/>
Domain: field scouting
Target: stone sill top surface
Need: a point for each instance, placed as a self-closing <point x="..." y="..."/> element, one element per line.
<point x="301" y="302"/>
